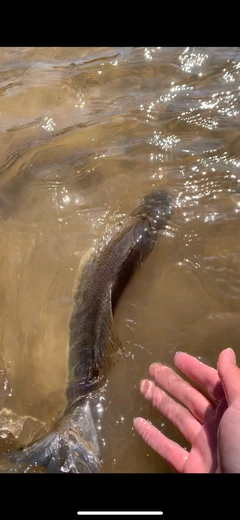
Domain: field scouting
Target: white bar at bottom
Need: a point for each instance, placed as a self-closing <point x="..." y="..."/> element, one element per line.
<point x="120" y="512"/>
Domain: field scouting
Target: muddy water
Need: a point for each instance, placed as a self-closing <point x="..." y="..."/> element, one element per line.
<point x="84" y="134"/>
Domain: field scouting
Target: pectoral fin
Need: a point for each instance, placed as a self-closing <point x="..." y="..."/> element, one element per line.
<point x="113" y="344"/>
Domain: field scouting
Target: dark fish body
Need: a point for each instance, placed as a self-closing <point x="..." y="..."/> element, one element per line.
<point x="93" y="342"/>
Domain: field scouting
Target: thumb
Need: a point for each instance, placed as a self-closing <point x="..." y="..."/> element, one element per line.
<point x="229" y="374"/>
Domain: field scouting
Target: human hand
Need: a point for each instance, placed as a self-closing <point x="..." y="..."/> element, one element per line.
<point x="211" y="424"/>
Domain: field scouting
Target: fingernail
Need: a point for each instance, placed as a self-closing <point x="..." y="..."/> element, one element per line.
<point x="154" y="367"/>
<point x="142" y="384"/>
<point x="177" y="353"/>
<point x="138" y="421"/>
<point x="230" y="354"/>
<point x="146" y="387"/>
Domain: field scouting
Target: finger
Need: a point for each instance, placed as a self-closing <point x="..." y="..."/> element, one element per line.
<point x="168" y="449"/>
<point x="205" y="376"/>
<point x="198" y="404"/>
<point x="175" y="412"/>
<point x="229" y="374"/>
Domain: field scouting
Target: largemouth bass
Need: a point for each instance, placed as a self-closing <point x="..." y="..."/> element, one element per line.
<point x="93" y="342"/>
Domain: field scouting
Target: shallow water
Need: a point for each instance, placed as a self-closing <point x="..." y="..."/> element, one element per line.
<point x="84" y="134"/>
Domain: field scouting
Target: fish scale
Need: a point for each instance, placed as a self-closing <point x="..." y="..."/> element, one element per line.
<point x="74" y="446"/>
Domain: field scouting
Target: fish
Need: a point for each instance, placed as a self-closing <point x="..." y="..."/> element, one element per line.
<point x="73" y="447"/>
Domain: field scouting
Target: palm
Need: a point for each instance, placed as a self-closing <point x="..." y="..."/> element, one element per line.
<point x="203" y="456"/>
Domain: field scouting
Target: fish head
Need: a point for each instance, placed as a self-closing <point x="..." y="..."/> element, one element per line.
<point x="157" y="207"/>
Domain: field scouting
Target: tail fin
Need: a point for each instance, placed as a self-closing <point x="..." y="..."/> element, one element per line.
<point x="56" y="453"/>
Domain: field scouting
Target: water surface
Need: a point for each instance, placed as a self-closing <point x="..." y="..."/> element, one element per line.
<point x="85" y="132"/>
